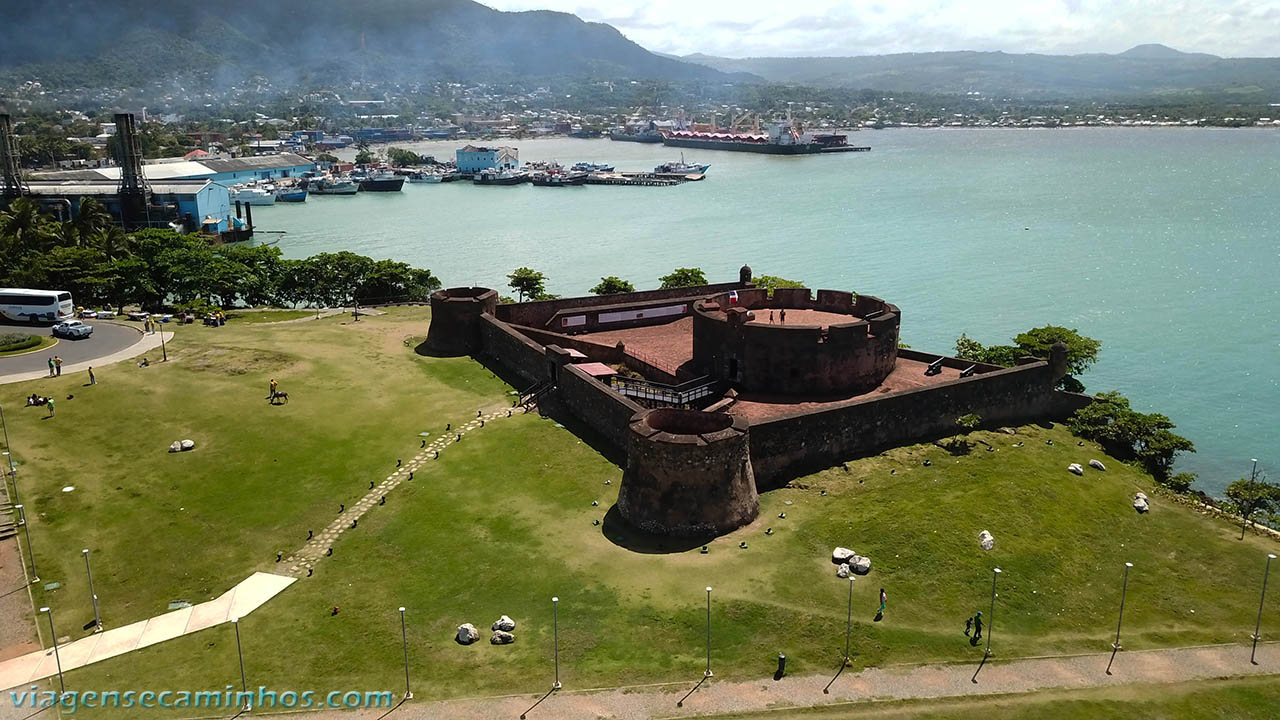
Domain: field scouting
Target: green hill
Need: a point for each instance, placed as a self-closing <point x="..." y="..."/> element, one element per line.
<point x="1145" y="70"/>
<point x="137" y="42"/>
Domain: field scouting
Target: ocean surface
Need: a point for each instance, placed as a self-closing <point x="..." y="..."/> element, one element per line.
<point x="1163" y="243"/>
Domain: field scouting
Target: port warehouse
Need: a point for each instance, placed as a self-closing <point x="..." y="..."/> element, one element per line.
<point x="198" y="188"/>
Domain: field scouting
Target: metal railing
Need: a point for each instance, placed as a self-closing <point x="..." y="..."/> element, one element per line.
<point x="677" y="395"/>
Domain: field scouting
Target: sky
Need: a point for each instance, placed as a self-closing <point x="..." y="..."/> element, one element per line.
<point x="745" y="28"/>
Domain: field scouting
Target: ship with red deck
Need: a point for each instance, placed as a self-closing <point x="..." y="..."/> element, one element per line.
<point x="782" y="138"/>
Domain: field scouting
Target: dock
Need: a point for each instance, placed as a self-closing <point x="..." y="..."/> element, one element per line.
<point x="642" y="179"/>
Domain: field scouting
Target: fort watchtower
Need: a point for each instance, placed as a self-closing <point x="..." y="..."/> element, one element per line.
<point x="688" y="473"/>
<point x="455" y="319"/>
<point x="792" y="343"/>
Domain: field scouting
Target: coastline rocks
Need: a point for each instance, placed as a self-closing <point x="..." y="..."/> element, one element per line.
<point x="1076" y="468"/>
<point x="860" y="565"/>
<point x="986" y="540"/>
<point x="843" y="570"/>
<point x="467" y="634"/>
<point x="1097" y="465"/>
<point x="505" y="624"/>
<point x="1140" y="503"/>
<point x="502" y="637"/>
<point x="841" y="555"/>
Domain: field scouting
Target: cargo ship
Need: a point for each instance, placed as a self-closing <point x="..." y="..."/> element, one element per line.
<point x="781" y="139"/>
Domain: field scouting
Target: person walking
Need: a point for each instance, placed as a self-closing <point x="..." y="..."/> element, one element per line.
<point x="50" y="367"/>
<point x="977" y="626"/>
<point x="968" y="626"/>
<point x="50" y="404"/>
<point x="92" y="380"/>
<point x="883" y="597"/>
<point x="272" y="392"/>
<point x="57" y="364"/>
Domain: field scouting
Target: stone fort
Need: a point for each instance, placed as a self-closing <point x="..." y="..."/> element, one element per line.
<point x="719" y="392"/>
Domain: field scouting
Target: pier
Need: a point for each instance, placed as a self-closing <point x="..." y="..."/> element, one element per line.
<point x="642" y="179"/>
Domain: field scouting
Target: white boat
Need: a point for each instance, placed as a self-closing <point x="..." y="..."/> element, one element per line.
<point x="423" y="177"/>
<point x="252" y="195"/>
<point x="334" y="186"/>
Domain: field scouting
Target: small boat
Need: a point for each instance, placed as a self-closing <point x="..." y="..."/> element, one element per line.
<point x="559" y="179"/>
<point x="425" y="177"/>
<point x="252" y="195"/>
<point x="499" y="177"/>
<point x="591" y="167"/>
<point x="382" y="181"/>
<point x="291" y="194"/>
<point x="334" y="186"/>
<point x="681" y="168"/>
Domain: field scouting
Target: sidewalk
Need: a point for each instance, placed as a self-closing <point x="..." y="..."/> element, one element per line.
<point x="146" y="343"/>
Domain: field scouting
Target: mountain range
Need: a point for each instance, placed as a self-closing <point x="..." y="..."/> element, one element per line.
<point x="1145" y="71"/>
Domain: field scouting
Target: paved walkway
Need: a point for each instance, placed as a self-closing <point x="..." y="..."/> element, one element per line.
<point x="237" y="602"/>
<point x="146" y="343"/>
<point x="897" y="682"/>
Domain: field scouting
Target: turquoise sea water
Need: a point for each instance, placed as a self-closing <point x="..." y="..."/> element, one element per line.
<point x="1162" y="243"/>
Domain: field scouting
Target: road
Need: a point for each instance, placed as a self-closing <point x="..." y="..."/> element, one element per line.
<point x="107" y="338"/>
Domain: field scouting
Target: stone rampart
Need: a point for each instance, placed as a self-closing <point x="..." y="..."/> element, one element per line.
<point x="455" y="315"/>
<point x="541" y="312"/>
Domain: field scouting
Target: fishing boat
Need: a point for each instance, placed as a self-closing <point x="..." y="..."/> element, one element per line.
<point x="681" y="168"/>
<point x="558" y="179"/>
<point x="500" y="177"/>
<point x="382" y="181"/>
<point x="333" y="186"/>
<point x="297" y="193"/>
<point x="426" y="177"/>
<point x="591" y="167"/>
<point x="252" y="195"/>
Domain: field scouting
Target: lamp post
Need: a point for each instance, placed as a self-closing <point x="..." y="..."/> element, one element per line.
<point x="97" y="619"/>
<point x="404" y="643"/>
<point x="22" y="520"/>
<point x="57" y="657"/>
<point x="848" y="621"/>
<point x="991" y="615"/>
<point x="555" y="634"/>
<point x="1124" y="590"/>
<point x="163" y="350"/>
<point x="244" y="685"/>
<point x="8" y="456"/>
<point x="708" y="672"/>
<point x="1257" y="628"/>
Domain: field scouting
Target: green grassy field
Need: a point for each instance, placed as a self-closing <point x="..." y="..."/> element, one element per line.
<point x="266" y="316"/>
<point x="504" y="520"/>
<point x="1228" y="699"/>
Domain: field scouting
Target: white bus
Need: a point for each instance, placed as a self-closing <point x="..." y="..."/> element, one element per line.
<point x="35" y="306"/>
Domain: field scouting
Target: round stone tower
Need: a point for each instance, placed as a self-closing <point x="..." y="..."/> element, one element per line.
<point x="688" y="473"/>
<point x="455" y="319"/>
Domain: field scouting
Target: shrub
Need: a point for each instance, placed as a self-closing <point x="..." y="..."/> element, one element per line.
<point x="10" y="342"/>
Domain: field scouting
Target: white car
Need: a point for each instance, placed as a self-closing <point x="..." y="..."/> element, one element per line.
<point x="72" y="329"/>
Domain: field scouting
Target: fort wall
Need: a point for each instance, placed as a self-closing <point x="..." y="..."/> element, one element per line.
<point x="455" y="313"/>
<point x="517" y="354"/>
<point x="589" y="400"/>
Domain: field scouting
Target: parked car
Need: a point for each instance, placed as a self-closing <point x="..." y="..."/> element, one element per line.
<point x="72" y="329"/>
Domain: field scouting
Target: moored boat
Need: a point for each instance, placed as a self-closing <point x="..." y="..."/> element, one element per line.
<point x="499" y="177"/>
<point x="559" y="179"/>
<point x="425" y="177"/>
<point x="591" y="167"/>
<point x="383" y="181"/>
<point x="252" y="195"/>
<point x="333" y="186"/>
<point x="681" y="168"/>
<point x="291" y="194"/>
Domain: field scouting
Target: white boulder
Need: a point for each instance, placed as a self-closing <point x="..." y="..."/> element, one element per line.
<point x="860" y="565"/>
<point x="1097" y="465"/>
<point x="843" y="570"/>
<point x="188" y="444"/>
<point x="467" y="633"/>
<point x="505" y="624"/>
<point x="1076" y="468"/>
<point x="1140" y="503"/>
<point x="986" y="540"/>
<point x="841" y="555"/>
<point x="502" y="637"/>
<point x="176" y="446"/>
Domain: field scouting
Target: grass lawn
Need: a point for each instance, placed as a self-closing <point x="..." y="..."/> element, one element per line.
<point x="504" y="520"/>
<point x="266" y="316"/>
<point x="1254" y="698"/>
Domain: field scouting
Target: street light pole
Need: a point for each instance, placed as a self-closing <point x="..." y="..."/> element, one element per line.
<point x="1257" y="628"/>
<point x="848" y="621"/>
<point x="163" y="350"/>
<point x="244" y="685"/>
<point x="404" y="642"/>
<point x="1124" y="590"/>
<point x="708" y="672"/>
<point x="22" y="520"/>
<point x="555" y="634"/>
<point x="97" y="619"/>
<point x="991" y="616"/>
<point x="57" y="657"/>
<point x="8" y="455"/>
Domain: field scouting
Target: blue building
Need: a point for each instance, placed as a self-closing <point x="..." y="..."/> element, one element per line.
<point x="229" y="171"/>
<point x="472" y="159"/>
<point x="194" y="204"/>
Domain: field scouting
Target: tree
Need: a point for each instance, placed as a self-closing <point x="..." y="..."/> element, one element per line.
<point x="364" y="157"/>
<point x="969" y="349"/>
<point x="773" y="282"/>
<point x="1251" y="496"/>
<point x="683" y="277"/>
<point x="326" y="158"/>
<point x="966" y="424"/>
<point x="612" y="285"/>
<point x="1082" y="352"/>
<point x="527" y="282"/>
<point x="1146" y="438"/>
<point x="401" y="157"/>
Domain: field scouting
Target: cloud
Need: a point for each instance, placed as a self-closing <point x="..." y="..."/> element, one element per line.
<point x="739" y="28"/>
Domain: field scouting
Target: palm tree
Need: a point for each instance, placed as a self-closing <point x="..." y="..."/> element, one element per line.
<point x="23" y="228"/>
<point x="112" y="241"/>
<point x="91" y="218"/>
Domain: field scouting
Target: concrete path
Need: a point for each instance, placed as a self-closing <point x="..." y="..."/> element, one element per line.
<point x="237" y="602"/>
<point x="146" y="343"/>
<point x="898" y="682"/>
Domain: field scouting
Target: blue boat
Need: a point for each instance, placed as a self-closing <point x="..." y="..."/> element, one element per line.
<point x="291" y="195"/>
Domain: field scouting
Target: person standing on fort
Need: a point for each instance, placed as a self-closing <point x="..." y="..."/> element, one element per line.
<point x="782" y="316"/>
<point x="92" y="380"/>
<point x="57" y="364"/>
